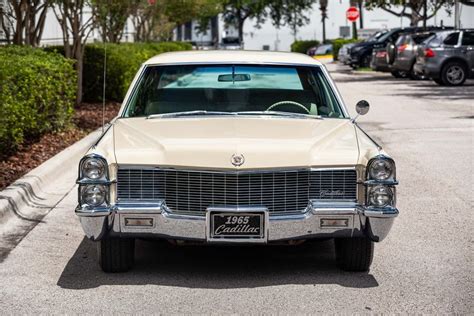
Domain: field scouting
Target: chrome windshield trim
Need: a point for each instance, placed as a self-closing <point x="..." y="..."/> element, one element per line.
<point x="139" y="76"/>
<point x="189" y="113"/>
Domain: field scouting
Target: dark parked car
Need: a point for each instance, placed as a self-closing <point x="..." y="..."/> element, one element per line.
<point x="401" y="56"/>
<point x="447" y="57"/>
<point x="378" y="50"/>
<point x="361" y="53"/>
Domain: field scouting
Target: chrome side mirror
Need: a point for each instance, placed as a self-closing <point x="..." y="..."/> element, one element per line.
<point x="362" y="107"/>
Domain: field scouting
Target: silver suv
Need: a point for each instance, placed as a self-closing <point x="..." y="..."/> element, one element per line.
<point x="447" y="57"/>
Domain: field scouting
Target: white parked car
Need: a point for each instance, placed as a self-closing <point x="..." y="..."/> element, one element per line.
<point x="235" y="147"/>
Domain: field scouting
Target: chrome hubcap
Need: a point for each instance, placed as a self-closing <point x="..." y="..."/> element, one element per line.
<point x="455" y="74"/>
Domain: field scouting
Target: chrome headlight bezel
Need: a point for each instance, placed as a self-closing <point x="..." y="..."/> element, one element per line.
<point x="102" y="181"/>
<point x="99" y="161"/>
<point x="377" y="162"/>
<point x="101" y="187"/>
<point x="389" y="191"/>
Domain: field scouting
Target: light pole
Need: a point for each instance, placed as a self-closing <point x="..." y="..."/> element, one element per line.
<point x="456" y="14"/>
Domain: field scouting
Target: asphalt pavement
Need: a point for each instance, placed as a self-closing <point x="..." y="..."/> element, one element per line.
<point x="424" y="266"/>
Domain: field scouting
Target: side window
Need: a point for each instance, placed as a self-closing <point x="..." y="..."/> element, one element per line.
<point x="468" y="39"/>
<point x="400" y="41"/>
<point x="451" y="39"/>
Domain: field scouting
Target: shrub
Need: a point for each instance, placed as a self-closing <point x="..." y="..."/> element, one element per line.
<point x="123" y="61"/>
<point x="303" y="46"/>
<point x="37" y="93"/>
<point x="337" y="44"/>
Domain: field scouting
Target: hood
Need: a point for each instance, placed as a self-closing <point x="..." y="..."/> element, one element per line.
<point x="364" y="44"/>
<point x="210" y="142"/>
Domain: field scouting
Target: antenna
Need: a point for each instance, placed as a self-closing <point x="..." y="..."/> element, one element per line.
<point x="103" y="86"/>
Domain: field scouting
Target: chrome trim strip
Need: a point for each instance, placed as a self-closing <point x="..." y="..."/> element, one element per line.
<point x="368" y="136"/>
<point x="98" y="181"/>
<point x="231" y="170"/>
<point x="381" y="182"/>
<point x="381" y="212"/>
<point x="95" y="212"/>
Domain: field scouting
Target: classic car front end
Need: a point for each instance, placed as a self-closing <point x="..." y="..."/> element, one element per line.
<point x="251" y="148"/>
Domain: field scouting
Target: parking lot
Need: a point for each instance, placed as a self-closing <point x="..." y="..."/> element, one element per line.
<point x="424" y="265"/>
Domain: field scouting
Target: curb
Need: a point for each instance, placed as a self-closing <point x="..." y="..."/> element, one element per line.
<point x="28" y="189"/>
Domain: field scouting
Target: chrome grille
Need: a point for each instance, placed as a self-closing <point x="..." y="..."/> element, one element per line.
<point x="193" y="191"/>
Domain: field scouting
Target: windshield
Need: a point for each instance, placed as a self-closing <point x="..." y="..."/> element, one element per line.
<point x="386" y="36"/>
<point x="224" y="89"/>
<point x="376" y="35"/>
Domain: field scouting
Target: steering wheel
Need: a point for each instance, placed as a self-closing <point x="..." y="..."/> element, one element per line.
<point x="274" y="105"/>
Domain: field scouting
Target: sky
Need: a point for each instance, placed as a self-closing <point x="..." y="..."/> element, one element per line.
<point x="376" y="19"/>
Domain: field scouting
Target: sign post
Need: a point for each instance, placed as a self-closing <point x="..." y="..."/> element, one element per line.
<point x="352" y="14"/>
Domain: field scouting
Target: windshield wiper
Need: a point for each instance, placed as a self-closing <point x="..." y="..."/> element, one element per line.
<point x="204" y="112"/>
<point x="279" y="113"/>
<point x="188" y="113"/>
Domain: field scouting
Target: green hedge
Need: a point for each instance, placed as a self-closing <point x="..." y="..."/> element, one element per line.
<point x="303" y="46"/>
<point x="37" y="94"/>
<point x="123" y="61"/>
<point x="337" y="44"/>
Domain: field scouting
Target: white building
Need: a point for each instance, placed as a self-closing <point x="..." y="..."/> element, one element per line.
<point x="281" y="39"/>
<point x="267" y="36"/>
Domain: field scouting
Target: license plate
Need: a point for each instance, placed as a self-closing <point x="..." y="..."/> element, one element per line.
<point x="227" y="225"/>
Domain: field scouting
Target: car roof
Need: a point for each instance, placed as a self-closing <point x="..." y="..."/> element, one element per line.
<point x="234" y="56"/>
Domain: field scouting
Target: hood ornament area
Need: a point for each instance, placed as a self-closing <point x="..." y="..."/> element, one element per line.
<point x="237" y="160"/>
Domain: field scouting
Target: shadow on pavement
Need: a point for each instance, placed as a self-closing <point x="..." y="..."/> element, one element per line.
<point x="213" y="267"/>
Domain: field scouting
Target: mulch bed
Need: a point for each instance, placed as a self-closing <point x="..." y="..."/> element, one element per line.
<point x="87" y="118"/>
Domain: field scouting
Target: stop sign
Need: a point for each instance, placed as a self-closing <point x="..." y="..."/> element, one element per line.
<point x="352" y="14"/>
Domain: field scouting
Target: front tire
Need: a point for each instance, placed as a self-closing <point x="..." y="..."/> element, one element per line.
<point x="365" y="61"/>
<point x="354" y="254"/>
<point x="413" y="75"/>
<point x="398" y="74"/>
<point x="116" y="254"/>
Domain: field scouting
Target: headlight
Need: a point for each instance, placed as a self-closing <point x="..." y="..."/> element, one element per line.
<point x="381" y="169"/>
<point x="93" y="168"/>
<point x="93" y="195"/>
<point x="380" y="196"/>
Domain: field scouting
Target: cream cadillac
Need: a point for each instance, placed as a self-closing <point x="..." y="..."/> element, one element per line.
<point x="235" y="147"/>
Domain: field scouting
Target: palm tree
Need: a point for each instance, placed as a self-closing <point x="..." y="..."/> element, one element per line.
<point x="323" y="7"/>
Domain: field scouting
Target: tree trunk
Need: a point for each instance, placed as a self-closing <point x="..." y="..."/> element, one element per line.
<point x="361" y="18"/>
<point x="79" y="67"/>
<point x="18" y="35"/>
<point x="324" y="30"/>
<point x="241" y="33"/>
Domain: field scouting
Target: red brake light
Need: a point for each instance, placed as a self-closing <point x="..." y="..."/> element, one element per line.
<point x="429" y="53"/>
<point x="402" y="48"/>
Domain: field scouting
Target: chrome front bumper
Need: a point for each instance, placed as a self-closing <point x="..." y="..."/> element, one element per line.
<point x="359" y="221"/>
